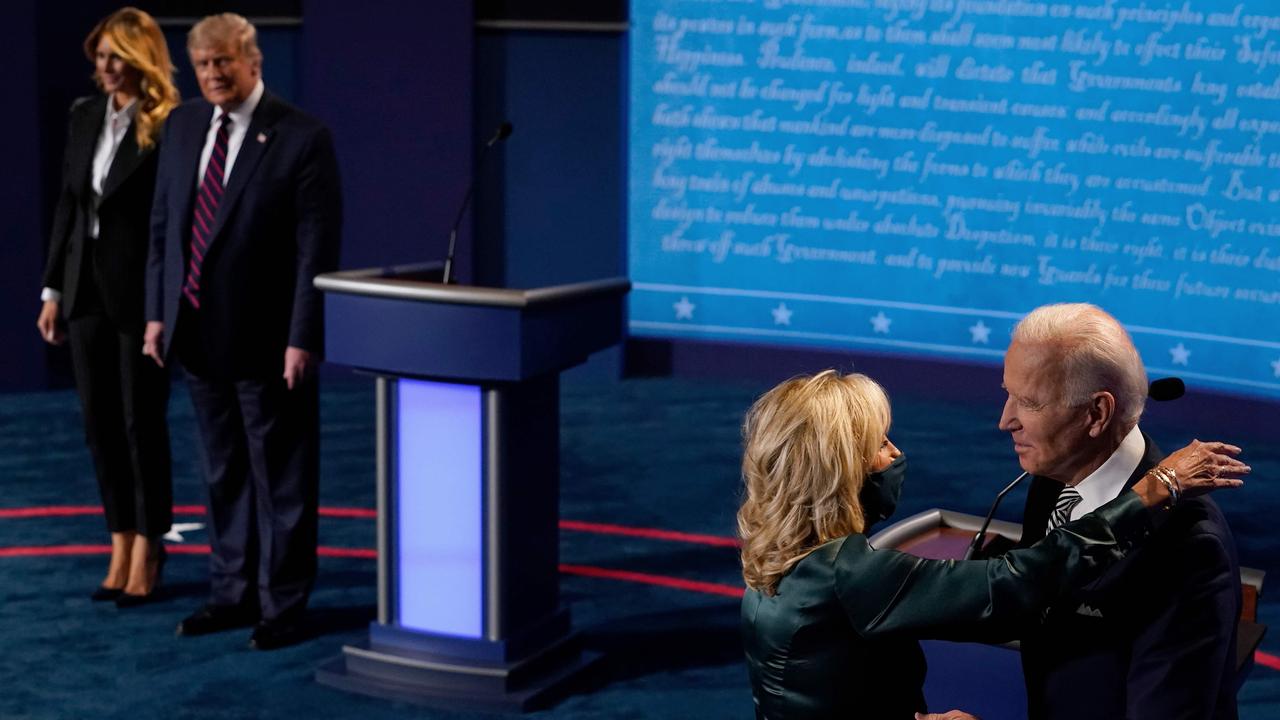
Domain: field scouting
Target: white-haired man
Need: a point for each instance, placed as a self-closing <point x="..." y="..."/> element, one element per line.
<point x="247" y="211"/>
<point x="1076" y="389"/>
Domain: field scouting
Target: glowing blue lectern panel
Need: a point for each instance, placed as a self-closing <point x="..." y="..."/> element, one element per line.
<point x="439" y="511"/>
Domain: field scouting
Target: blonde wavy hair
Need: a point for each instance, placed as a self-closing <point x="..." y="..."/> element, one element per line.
<point x="136" y="38"/>
<point x="809" y="444"/>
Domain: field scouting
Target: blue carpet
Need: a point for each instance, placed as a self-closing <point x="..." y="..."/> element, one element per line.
<point x="654" y="453"/>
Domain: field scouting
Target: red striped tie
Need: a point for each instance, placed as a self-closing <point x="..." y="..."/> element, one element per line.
<point x="207" y="199"/>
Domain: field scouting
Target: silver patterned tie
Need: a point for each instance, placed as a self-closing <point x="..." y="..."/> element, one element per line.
<point x="1069" y="498"/>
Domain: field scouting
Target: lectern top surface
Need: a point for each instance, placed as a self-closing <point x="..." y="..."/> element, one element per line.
<point x="421" y="282"/>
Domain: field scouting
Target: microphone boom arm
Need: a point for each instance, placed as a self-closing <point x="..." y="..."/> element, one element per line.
<point x="981" y="535"/>
<point x="502" y="133"/>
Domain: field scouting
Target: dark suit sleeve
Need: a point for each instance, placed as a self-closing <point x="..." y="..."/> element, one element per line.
<point x="1178" y="656"/>
<point x="63" y="213"/>
<point x="154" y="299"/>
<point x="885" y="592"/>
<point x="319" y="202"/>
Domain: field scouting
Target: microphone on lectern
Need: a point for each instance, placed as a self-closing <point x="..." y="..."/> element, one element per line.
<point x="502" y="133"/>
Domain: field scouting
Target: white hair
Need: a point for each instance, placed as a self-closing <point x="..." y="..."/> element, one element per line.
<point x="1093" y="353"/>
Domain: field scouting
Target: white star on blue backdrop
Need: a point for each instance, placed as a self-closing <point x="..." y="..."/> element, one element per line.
<point x="781" y="314"/>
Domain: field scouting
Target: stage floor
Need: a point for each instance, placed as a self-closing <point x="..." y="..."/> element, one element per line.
<point x="649" y="491"/>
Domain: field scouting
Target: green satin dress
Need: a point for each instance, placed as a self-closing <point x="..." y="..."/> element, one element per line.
<point x="838" y="638"/>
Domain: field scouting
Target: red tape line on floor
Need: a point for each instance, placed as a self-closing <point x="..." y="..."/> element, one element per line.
<point x="54" y="511"/>
<point x="371" y="554"/>
<point x="648" y="579"/>
<point x="1262" y="658"/>
<point x="370" y="514"/>
<point x="50" y="550"/>
<point x="650" y="533"/>
<point x="173" y="549"/>
<point x="76" y="510"/>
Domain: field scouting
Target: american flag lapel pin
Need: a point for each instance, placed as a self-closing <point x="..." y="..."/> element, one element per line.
<point x="262" y="137"/>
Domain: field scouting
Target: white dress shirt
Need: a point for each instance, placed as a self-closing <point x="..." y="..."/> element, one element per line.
<point x="240" y="118"/>
<point x="1104" y="484"/>
<point x="114" y="127"/>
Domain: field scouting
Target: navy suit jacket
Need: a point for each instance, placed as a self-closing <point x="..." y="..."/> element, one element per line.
<point x="1155" y="636"/>
<point x="278" y="226"/>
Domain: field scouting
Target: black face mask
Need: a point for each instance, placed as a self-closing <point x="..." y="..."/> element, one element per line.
<point x="881" y="490"/>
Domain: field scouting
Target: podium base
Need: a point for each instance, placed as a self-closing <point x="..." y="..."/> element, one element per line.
<point x="426" y="679"/>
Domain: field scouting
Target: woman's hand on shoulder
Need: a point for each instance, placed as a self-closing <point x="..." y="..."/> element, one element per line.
<point x="1202" y="467"/>
<point x="1197" y="469"/>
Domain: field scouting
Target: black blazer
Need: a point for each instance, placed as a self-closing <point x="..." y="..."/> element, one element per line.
<point x="1154" y="637"/>
<point x="277" y="226"/>
<point x="118" y="257"/>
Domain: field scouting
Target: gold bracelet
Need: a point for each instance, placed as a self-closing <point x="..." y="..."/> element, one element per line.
<point x="1170" y="480"/>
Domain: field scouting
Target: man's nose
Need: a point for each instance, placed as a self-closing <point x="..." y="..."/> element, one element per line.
<point x="1008" y="418"/>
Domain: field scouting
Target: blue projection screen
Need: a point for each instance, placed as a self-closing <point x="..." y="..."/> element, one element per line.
<point x="915" y="175"/>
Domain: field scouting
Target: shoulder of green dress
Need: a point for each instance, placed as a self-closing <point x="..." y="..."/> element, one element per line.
<point x="850" y="550"/>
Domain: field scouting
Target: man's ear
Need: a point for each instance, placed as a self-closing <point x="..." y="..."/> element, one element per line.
<point x="1102" y="412"/>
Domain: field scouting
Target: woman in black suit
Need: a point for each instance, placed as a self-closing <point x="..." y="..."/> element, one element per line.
<point x="93" y="289"/>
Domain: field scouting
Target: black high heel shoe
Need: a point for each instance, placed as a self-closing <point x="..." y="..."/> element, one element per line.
<point x="129" y="600"/>
<point x="105" y="594"/>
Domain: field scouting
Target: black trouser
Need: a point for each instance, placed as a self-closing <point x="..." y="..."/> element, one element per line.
<point x="261" y="460"/>
<point x="124" y="396"/>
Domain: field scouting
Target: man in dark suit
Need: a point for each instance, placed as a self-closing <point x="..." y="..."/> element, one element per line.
<point x="1155" y="635"/>
<point x="246" y="214"/>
